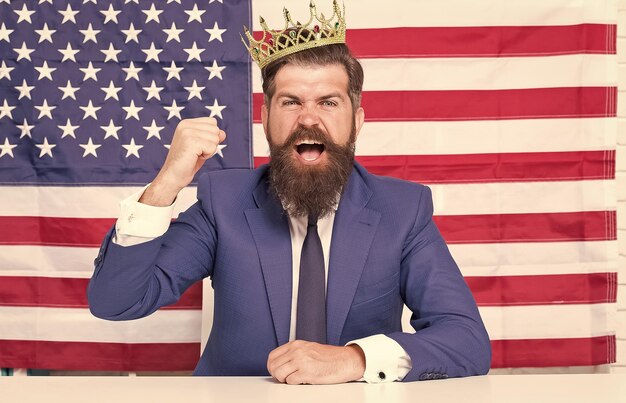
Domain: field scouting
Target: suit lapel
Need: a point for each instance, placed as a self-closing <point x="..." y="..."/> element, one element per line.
<point x="270" y="230"/>
<point x="353" y="233"/>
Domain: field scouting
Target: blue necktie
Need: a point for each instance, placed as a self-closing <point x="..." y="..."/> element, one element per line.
<point x="311" y="312"/>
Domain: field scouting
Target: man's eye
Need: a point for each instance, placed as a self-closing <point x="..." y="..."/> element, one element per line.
<point x="290" y="102"/>
<point x="329" y="103"/>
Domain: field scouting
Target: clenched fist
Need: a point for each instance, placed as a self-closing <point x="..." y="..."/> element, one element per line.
<point x="195" y="140"/>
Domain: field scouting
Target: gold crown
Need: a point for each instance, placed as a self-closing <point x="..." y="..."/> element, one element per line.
<point x="318" y="31"/>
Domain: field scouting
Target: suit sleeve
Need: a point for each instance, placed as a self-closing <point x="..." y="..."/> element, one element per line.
<point x="134" y="281"/>
<point x="450" y="339"/>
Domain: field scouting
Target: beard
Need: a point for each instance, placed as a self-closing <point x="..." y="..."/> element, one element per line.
<point x="310" y="189"/>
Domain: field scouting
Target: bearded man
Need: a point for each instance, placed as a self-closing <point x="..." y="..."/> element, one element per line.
<point x="312" y="259"/>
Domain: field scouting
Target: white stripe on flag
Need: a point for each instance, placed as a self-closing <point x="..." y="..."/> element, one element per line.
<point x="77" y="324"/>
<point x="506" y="259"/>
<point x="449" y="199"/>
<point x="443" y="13"/>
<point x="496" y="136"/>
<point x="183" y="326"/>
<point x="542" y="321"/>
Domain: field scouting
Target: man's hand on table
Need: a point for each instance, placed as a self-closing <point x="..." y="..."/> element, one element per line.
<point x="299" y="362"/>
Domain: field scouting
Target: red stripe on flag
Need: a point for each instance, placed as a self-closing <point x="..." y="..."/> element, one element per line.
<point x="158" y="356"/>
<point x="505" y="167"/>
<point x="86" y="356"/>
<point x="562" y="102"/>
<point x="484" y="228"/>
<point x="536" y="227"/>
<point x="69" y="293"/>
<point x="53" y="231"/>
<point x="488" y="291"/>
<point x="536" y="40"/>
<point x="553" y="352"/>
<point x="544" y="289"/>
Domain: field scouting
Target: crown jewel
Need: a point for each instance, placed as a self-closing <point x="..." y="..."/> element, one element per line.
<point x="294" y="37"/>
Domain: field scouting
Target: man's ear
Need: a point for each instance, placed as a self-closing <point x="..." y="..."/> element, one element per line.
<point x="359" y="119"/>
<point x="264" y="119"/>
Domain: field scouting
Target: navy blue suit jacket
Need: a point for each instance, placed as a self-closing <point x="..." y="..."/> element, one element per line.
<point x="385" y="252"/>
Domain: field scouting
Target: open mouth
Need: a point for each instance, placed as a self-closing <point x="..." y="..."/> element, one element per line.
<point x="310" y="150"/>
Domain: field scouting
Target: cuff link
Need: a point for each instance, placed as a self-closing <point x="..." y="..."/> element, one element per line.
<point x="382" y="376"/>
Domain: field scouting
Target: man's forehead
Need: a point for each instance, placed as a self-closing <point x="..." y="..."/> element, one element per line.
<point x="317" y="78"/>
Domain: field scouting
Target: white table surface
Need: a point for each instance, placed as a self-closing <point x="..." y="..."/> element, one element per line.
<point x="601" y="388"/>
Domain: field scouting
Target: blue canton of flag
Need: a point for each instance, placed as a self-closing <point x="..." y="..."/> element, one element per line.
<point x="91" y="91"/>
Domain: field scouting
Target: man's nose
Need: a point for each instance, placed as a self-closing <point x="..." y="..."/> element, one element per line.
<point x="308" y="116"/>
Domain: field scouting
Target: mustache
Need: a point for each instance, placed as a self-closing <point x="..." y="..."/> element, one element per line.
<point x="313" y="133"/>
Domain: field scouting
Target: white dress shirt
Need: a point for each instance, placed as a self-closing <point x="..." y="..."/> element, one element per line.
<point x="385" y="359"/>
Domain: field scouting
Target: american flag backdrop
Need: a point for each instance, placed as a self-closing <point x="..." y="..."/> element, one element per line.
<point x="506" y="109"/>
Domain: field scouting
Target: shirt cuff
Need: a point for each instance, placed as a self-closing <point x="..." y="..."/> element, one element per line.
<point x="141" y="220"/>
<point x="385" y="359"/>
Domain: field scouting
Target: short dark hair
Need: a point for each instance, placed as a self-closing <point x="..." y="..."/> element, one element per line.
<point x="320" y="56"/>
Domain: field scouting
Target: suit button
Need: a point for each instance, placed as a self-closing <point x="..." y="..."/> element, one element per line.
<point x="382" y="376"/>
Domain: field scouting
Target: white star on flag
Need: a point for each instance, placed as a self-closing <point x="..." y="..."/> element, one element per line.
<point x="216" y="109"/>
<point x="23" y="52"/>
<point x="152" y="14"/>
<point x="173" y="33"/>
<point x="111" y="53"/>
<point x="90" y="34"/>
<point x="131" y="33"/>
<point x="25" y="129"/>
<point x="6" y="71"/>
<point x="45" y="34"/>
<point x="152" y="53"/>
<point x="5" y="110"/>
<point x="194" y="91"/>
<point x="153" y="130"/>
<point x="68" y="15"/>
<point x="7" y="148"/>
<point x="111" y="130"/>
<point x="194" y="52"/>
<point x="215" y="32"/>
<point x="132" y="148"/>
<point x="153" y="91"/>
<point x="69" y="91"/>
<point x="68" y="129"/>
<point x="46" y="148"/>
<point x="132" y="111"/>
<point x="45" y="109"/>
<point x="24" y="14"/>
<point x="90" y="72"/>
<point x="69" y="53"/>
<point x="220" y="147"/>
<point x="111" y="91"/>
<point x="110" y="14"/>
<point x="195" y="14"/>
<point x="132" y="71"/>
<point x="215" y="70"/>
<point x="25" y="90"/>
<point x="173" y="71"/>
<point x="90" y="148"/>
<point x="90" y="110"/>
<point x="45" y="71"/>
<point x="5" y="33"/>
<point x="174" y="110"/>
